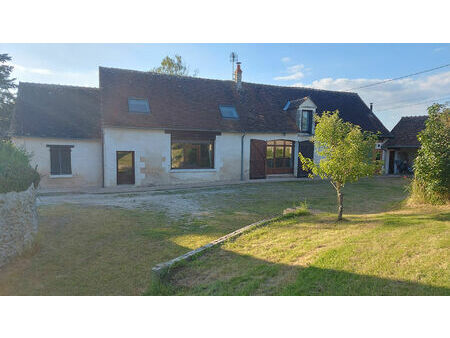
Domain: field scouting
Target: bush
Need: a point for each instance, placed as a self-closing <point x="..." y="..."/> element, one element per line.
<point x="431" y="182"/>
<point x="16" y="173"/>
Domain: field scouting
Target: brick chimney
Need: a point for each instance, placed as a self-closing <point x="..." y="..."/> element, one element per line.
<point x="238" y="76"/>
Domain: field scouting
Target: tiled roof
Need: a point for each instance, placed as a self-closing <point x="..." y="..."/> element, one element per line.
<point x="180" y="102"/>
<point x="405" y="132"/>
<point x="176" y="102"/>
<point x="56" y="111"/>
<point x="294" y="104"/>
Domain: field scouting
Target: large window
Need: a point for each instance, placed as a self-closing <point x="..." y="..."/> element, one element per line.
<point x="279" y="157"/>
<point x="306" y="121"/>
<point x="192" y="151"/>
<point x="60" y="160"/>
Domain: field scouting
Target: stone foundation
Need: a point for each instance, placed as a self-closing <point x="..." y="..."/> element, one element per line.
<point x="18" y="223"/>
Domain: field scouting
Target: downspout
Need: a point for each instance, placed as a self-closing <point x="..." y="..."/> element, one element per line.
<point x="242" y="156"/>
<point x="103" y="159"/>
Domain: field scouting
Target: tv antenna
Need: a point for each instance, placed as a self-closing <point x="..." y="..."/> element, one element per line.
<point x="233" y="60"/>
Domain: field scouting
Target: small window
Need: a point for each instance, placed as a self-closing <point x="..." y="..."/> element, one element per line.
<point x="138" y="106"/>
<point x="228" y="112"/>
<point x="60" y="160"/>
<point x="306" y="121"/>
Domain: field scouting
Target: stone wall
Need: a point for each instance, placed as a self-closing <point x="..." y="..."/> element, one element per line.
<point x="18" y="223"/>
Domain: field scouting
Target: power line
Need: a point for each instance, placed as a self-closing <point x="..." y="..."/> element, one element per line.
<point x="399" y="78"/>
<point x="417" y="103"/>
<point x="408" y="102"/>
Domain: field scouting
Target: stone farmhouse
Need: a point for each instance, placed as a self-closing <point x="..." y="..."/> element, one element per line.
<point x="144" y="128"/>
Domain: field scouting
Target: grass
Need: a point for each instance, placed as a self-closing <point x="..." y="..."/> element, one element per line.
<point x="401" y="252"/>
<point x="85" y="250"/>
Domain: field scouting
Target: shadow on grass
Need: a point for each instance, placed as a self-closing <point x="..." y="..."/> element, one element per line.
<point x="405" y="219"/>
<point x="253" y="276"/>
<point x="316" y="281"/>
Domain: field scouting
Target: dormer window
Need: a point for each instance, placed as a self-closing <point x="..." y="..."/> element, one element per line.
<point x="306" y="110"/>
<point x="306" y="121"/>
<point x="228" y="112"/>
<point x="138" y="106"/>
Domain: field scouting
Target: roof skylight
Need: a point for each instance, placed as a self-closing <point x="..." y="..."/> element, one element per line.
<point x="138" y="106"/>
<point x="228" y="112"/>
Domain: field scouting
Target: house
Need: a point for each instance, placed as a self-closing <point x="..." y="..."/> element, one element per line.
<point x="401" y="149"/>
<point x="144" y="128"/>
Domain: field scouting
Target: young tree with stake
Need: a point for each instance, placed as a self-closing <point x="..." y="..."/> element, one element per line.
<point x="346" y="153"/>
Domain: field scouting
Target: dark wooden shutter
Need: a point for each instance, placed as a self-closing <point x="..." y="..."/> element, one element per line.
<point x="257" y="159"/>
<point x="66" y="163"/>
<point x="54" y="161"/>
<point x="60" y="159"/>
<point x="307" y="150"/>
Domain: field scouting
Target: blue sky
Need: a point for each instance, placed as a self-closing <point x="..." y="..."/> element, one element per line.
<point x="326" y="66"/>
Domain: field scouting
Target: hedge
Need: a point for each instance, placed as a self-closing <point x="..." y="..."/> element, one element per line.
<point x="16" y="173"/>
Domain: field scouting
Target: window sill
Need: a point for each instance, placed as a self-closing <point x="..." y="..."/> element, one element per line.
<point x="192" y="170"/>
<point x="60" y="176"/>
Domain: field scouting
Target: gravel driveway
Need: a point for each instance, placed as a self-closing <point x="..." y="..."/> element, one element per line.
<point x="174" y="204"/>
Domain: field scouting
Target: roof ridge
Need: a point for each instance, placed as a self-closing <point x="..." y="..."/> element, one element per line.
<point x="207" y="79"/>
<point x="55" y="85"/>
<point x="414" y="116"/>
<point x="149" y="72"/>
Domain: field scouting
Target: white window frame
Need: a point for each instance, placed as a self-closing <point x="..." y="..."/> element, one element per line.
<point x="308" y="105"/>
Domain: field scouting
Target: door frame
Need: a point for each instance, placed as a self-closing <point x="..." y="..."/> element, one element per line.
<point x="281" y="170"/>
<point x="391" y="165"/>
<point x="133" y="164"/>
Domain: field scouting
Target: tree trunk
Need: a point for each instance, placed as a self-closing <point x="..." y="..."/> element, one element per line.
<point x="340" y="200"/>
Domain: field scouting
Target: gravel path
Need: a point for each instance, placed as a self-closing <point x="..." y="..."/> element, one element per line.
<point x="173" y="203"/>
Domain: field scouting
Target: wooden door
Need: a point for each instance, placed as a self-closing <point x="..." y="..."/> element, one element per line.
<point x="125" y="167"/>
<point x="257" y="159"/>
<point x="307" y="150"/>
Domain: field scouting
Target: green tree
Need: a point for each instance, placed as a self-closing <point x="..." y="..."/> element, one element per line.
<point x="174" y="66"/>
<point x="431" y="182"/>
<point x="16" y="173"/>
<point x="346" y="153"/>
<point x="7" y="96"/>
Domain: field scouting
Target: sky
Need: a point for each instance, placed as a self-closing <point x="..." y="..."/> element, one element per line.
<point x="323" y="66"/>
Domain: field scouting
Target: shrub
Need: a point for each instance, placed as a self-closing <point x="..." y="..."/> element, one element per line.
<point x="16" y="173"/>
<point x="431" y="182"/>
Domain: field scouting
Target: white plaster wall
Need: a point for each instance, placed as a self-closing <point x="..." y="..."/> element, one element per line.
<point x="152" y="156"/>
<point x="86" y="161"/>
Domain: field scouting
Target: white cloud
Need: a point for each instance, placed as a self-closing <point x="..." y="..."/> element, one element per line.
<point x="66" y="77"/>
<point x="23" y="69"/>
<point x="294" y="73"/>
<point x="285" y="59"/>
<point x="410" y="96"/>
<point x="438" y="49"/>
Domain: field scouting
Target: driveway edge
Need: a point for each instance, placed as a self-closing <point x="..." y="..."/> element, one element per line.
<point x="161" y="269"/>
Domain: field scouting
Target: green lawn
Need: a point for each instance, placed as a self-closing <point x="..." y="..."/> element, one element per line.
<point x="402" y="252"/>
<point x="87" y="250"/>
